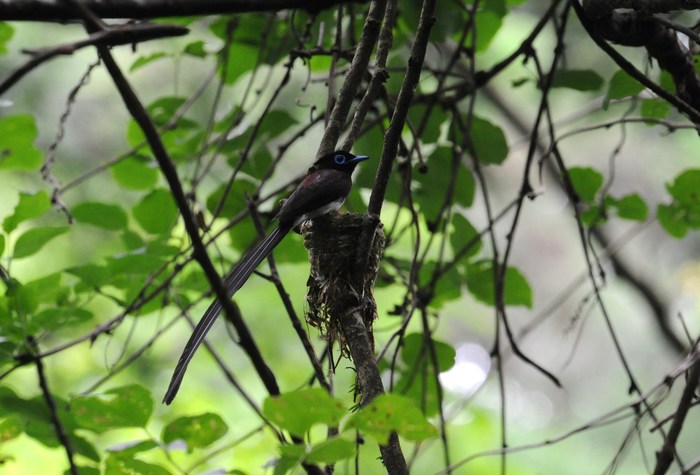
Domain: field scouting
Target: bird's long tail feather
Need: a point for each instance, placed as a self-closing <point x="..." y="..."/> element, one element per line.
<point x="233" y="281"/>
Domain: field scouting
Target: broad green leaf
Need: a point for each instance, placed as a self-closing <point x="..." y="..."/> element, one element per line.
<point x="144" y="60"/>
<point x="133" y="447"/>
<point x="135" y="173"/>
<point x="431" y="129"/>
<point x="35" y="238"/>
<point x="133" y="264"/>
<point x="11" y="425"/>
<point x="578" y="79"/>
<point x="57" y="318"/>
<point x="241" y="58"/>
<point x="277" y="122"/>
<point x="622" y="85"/>
<point x="415" y="348"/>
<point x="631" y="207"/>
<point x="156" y="212"/>
<point x="6" y="32"/>
<point x="297" y="411"/>
<point x="116" y="465"/>
<point x="480" y="282"/>
<point x="290" y="456"/>
<point x="392" y="413"/>
<point x="417" y="375"/>
<point x="31" y="205"/>
<point x="102" y="215"/>
<point x="126" y="406"/>
<point x="488" y="22"/>
<point x="655" y="109"/>
<point x="434" y="183"/>
<point x="489" y="142"/>
<point x="196" y="431"/>
<point x="196" y="49"/>
<point x="671" y="219"/>
<point x="37" y="421"/>
<point x="464" y="234"/>
<point x="683" y="213"/>
<point x="17" y="136"/>
<point x="93" y="275"/>
<point x="44" y="290"/>
<point x="586" y="182"/>
<point x="235" y="200"/>
<point x="686" y="187"/>
<point x="331" y="451"/>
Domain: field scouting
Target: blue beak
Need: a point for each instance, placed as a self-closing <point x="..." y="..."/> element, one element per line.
<point x="359" y="158"/>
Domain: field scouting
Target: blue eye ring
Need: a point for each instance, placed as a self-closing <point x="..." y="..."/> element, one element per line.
<point x="340" y="159"/>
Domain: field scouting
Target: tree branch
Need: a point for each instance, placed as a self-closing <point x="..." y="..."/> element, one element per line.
<point x="55" y="11"/>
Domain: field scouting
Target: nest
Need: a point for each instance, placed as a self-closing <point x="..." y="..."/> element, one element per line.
<point x="335" y="286"/>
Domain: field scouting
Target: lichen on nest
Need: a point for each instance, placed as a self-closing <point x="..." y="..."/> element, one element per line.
<point x="333" y="242"/>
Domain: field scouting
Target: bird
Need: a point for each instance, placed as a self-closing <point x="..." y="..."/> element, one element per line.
<point x="323" y="190"/>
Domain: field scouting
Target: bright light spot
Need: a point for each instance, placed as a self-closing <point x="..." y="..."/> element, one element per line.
<point x="472" y="364"/>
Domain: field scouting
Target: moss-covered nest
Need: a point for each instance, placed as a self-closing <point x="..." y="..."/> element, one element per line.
<point x="335" y="286"/>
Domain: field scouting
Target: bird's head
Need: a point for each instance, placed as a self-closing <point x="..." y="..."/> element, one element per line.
<point x="339" y="160"/>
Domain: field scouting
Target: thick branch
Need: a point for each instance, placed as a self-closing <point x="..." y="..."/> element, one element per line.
<point x="52" y="10"/>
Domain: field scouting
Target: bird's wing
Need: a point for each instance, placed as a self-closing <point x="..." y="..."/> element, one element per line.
<point x="315" y="191"/>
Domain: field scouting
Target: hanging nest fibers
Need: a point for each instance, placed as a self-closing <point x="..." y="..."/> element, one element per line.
<point x="332" y="242"/>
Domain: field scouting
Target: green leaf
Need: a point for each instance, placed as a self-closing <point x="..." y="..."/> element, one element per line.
<point x="11" y="425"/>
<point x="196" y="49"/>
<point x="17" y="136"/>
<point x="93" y="275"/>
<point x="2" y="244"/>
<point x="631" y="207"/>
<point x="434" y="183"/>
<point x="431" y="130"/>
<point x="196" y="431"/>
<point x="417" y="375"/>
<point x="586" y="182"/>
<point x="144" y="60"/>
<point x="480" y="282"/>
<point x="31" y="205"/>
<point x="133" y="447"/>
<point x="277" y="122"/>
<point x="622" y="85"/>
<point x="126" y="406"/>
<point x="57" y="318"/>
<point x="464" y="234"/>
<point x="392" y="413"/>
<point x="331" y="451"/>
<point x="683" y="213"/>
<point x="489" y="142"/>
<point x="156" y="212"/>
<point x="671" y="219"/>
<point x="235" y="200"/>
<point x="6" y="32"/>
<point x="241" y="58"/>
<point x="578" y="79"/>
<point x="655" y="109"/>
<point x="102" y="215"/>
<point x="34" y="239"/>
<point x="116" y="465"/>
<point x="686" y="187"/>
<point x="414" y="349"/>
<point x="488" y="23"/>
<point x="135" y="173"/>
<point x="133" y="264"/>
<point x="297" y="411"/>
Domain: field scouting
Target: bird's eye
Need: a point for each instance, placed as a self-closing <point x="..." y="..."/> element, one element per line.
<point x="339" y="159"/>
